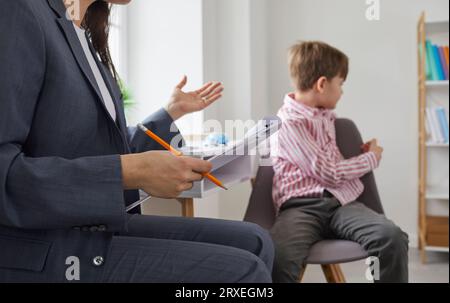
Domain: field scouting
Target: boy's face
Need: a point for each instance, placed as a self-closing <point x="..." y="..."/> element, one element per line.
<point x="330" y="92"/>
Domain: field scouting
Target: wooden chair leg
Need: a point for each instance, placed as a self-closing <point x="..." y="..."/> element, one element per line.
<point x="333" y="273"/>
<point x="340" y="273"/>
<point x="302" y="273"/>
<point x="187" y="205"/>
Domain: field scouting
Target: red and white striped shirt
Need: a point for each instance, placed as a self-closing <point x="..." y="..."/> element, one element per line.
<point x="307" y="160"/>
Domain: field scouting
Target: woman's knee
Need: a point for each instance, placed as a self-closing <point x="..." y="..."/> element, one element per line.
<point x="258" y="271"/>
<point x="261" y="241"/>
<point x="244" y="267"/>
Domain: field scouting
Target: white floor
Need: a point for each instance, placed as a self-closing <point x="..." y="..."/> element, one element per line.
<point x="435" y="271"/>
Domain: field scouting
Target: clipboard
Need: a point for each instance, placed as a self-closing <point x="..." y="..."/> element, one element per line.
<point x="262" y="131"/>
<point x="232" y="164"/>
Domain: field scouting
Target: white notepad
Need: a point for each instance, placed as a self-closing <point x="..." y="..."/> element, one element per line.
<point x="232" y="164"/>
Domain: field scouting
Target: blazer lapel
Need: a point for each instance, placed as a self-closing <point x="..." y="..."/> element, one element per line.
<point x="117" y="99"/>
<point x="107" y="77"/>
<point x="78" y="52"/>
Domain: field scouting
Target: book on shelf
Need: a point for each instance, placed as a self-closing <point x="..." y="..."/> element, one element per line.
<point x="443" y="122"/>
<point x="443" y="63"/>
<point x="437" y="64"/>
<point x="437" y="125"/>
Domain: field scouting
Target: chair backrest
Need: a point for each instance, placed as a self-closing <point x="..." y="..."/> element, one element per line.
<point x="261" y="209"/>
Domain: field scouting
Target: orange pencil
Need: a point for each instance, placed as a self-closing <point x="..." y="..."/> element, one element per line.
<point x="177" y="153"/>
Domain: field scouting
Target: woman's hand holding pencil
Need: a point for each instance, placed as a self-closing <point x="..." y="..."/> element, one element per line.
<point x="162" y="174"/>
<point x="177" y="153"/>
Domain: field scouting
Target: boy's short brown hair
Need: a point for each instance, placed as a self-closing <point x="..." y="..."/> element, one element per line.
<point x="311" y="60"/>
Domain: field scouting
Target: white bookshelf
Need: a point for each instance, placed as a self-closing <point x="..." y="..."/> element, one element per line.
<point x="436" y="193"/>
<point x="433" y="157"/>
<point x="437" y="249"/>
<point x="437" y="145"/>
<point x="436" y="83"/>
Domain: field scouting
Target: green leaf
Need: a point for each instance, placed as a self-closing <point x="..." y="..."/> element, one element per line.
<point x="127" y="95"/>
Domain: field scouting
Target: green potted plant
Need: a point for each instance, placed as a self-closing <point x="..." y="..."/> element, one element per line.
<point x="127" y="97"/>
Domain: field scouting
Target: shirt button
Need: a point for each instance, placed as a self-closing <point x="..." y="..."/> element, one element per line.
<point x="98" y="261"/>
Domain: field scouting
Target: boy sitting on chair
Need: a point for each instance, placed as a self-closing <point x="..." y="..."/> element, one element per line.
<point x="315" y="189"/>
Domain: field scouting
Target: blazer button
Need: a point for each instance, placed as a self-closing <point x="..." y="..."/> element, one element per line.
<point x="102" y="228"/>
<point x="93" y="229"/>
<point x="85" y="228"/>
<point x="98" y="261"/>
<point x="76" y="228"/>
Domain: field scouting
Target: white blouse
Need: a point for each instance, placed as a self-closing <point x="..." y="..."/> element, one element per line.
<point x="107" y="99"/>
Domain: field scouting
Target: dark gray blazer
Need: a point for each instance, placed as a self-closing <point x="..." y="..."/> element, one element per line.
<point x="61" y="191"/>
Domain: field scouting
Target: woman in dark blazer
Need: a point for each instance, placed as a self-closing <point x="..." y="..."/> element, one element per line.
<point x="69" y="165"/>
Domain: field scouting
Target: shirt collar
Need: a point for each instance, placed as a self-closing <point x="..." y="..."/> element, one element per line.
<point x="305" y="110"/>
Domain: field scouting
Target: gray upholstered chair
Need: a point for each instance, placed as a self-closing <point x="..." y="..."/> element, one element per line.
<point x="327" y="253"/>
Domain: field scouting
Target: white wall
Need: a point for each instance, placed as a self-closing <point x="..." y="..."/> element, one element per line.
<point x="164" y="43"/>
<point x="118" y="40"/>
<point x="381" y="91"/>
<point x="232" y="42"/>
<point x="235" y="53"/>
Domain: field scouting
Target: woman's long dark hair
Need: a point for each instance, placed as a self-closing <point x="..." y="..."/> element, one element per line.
<point x="96" y="24"/>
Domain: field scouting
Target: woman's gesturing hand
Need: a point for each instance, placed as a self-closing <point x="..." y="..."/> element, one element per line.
<point x="182" y="103"/>
<point x="162" y="174"/>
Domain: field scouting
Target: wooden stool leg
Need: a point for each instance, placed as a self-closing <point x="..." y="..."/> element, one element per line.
<point x="422" y="244"/>
<point x="187" y="205"/>
<point x="333" y="273"/>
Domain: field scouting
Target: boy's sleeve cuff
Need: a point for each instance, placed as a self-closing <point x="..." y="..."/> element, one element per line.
<point x="372" y="160"/>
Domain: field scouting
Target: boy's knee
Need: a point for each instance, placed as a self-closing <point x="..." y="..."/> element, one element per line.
<point x="391" y="236"/>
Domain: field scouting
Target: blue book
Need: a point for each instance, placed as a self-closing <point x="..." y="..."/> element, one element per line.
<point x="443" y="121"/>
<point x="430" y="56"/>
<point x="428" y="75"/>
<point x="437" y="61"/>
<point x="443" y="62"/>
<point x="427" y="63"/>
